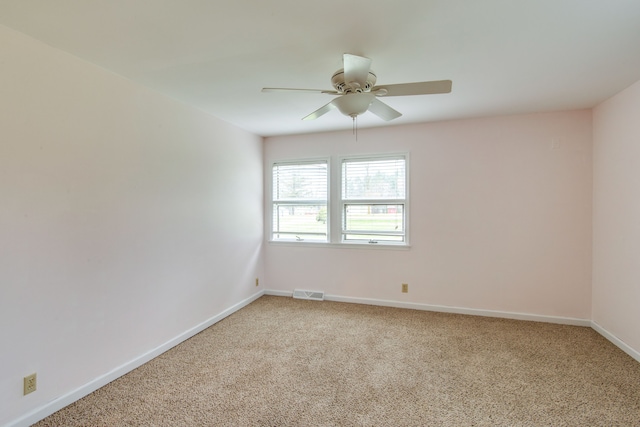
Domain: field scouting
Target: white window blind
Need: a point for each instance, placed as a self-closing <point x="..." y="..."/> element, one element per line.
<point x="374" y="199"/>
<point x="300" y="201"/>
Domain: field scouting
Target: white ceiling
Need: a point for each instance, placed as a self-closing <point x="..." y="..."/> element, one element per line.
<point x="504" y="56"/>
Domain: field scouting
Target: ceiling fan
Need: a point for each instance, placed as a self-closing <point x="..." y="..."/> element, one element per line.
<point x="355" y="85"/>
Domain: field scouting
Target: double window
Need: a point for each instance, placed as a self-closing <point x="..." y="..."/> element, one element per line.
<point x="368" y="205"/>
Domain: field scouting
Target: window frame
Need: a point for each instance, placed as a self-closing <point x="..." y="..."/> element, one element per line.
<point x="271" y="216"/>
<point x="342" y="202"/>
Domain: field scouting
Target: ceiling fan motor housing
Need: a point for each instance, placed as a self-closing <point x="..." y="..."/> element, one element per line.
<point x="337" y="80"/>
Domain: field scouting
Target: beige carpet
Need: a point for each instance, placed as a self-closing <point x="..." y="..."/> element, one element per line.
<point x="286" y="362"/>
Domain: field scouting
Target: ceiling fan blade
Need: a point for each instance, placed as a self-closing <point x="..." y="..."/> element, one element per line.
<point x="383" y="111"/>
<point x="420" y="88"/>
<point x="320" y="111"/>
<point x="284" y="89"/>
<point x="356" y="69"/>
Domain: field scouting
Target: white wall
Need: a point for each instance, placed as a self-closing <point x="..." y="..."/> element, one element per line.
<point x="500" y="217"/>
<point x="126" y="219"/>
<point x="616" y="216"/>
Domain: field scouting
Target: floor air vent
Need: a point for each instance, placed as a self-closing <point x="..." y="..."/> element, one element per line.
<point x="314" y="295"/>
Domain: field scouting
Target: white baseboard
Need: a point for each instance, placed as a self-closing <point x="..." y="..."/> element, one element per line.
<point x="447" y="309"/>
<point x="460" y="310"/>
<point x="278" y="293"/>
<point x="616" y="341"/>
<point x="67" y="399"/>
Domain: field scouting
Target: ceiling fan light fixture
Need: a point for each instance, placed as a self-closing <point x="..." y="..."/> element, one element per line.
<point x="354" y="104"/>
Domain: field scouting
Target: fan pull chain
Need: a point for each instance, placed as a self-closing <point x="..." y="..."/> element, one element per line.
<point x="354" y="130"/>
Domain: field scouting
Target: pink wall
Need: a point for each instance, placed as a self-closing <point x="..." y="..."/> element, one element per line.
<point x="500" y="217"/>
<point x="616" y="216"/>
<point x="126" y="219"/>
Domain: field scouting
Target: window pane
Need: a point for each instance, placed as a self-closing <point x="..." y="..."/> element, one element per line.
<point x="306" y="181"/>
<point x="295" y="222"/>
<point x="373" y="179"/>
<point x="372" y="218"/>
<point x="374" y="199"/>
<point x="300" y="201"/>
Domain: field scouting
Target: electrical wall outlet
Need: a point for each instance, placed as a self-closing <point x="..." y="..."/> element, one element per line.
<point x="29" y="384"/>
<point x="405" y="288"/>
<point x="257" y="281"/>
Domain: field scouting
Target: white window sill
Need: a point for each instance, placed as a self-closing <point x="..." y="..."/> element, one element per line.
<point x="311" y="244"/>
